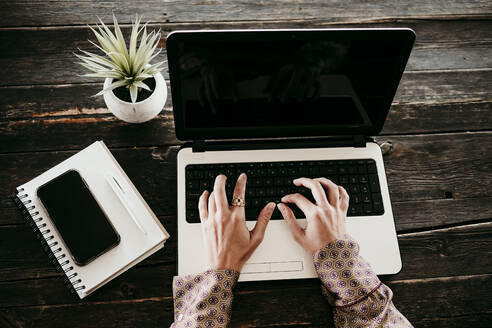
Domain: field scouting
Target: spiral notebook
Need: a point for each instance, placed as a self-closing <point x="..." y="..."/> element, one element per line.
<point x="140" y="232"/>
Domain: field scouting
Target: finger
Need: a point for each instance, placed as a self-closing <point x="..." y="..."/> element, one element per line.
<point x="316" y="189"/>
<point x="333" y="193"/>
<point x="220" y="193"/>
<point x="344" y="199"/>
<point x="258" y="231"/>
<point x="300" y="201"/>
<point x="240" y="188"/>
<point x="212" y="207"/>
<point x="202" y="206"/>
<point x="290" y="219"/>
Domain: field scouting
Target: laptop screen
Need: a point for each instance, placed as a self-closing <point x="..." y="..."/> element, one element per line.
<point x="235" y="84"/>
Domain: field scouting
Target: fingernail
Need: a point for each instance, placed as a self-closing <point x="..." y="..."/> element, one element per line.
<point x="271" y="205"/>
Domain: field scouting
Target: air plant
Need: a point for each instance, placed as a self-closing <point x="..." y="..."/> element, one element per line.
<point x="128" y="67"/>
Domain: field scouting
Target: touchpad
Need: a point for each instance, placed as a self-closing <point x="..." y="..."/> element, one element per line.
<point x="265" y="267"/>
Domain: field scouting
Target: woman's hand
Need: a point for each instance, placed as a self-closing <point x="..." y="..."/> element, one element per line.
<point x="228" y="242"/>
<point x="325" y="219"/>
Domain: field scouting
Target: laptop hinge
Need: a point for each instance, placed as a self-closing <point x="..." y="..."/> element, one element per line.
<point x="359" y="141"/>
<point x="198" y="146"/>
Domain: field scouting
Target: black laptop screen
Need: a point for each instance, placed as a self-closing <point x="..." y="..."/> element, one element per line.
<point x="249" y="84"/>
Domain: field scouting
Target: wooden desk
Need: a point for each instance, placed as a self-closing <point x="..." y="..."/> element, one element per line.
<point x="438" y="146"/>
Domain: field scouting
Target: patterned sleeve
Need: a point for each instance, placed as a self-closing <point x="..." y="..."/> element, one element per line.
<point x="358" y="297"/>
<point x="204" y="299"/>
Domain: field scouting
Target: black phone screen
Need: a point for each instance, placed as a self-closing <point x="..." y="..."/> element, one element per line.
<point x="79" y="219"/>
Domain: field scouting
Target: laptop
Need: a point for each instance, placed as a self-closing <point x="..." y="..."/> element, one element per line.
<point x="278" y="105"/>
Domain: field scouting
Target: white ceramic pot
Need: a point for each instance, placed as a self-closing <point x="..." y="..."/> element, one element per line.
<point x="141" y="111"/>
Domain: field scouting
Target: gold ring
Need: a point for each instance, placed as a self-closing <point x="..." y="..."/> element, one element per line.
<point x="238" y="201"/>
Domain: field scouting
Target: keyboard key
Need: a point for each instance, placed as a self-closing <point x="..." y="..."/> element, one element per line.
<point x="327" y="170"/>
<point x="374" y="183"/>
<point x="314" y="171"/>
<point x="371" y="168"/>
<point x="194" y="194"/>
<point x="354" y="189"/>
<point x="191" y="204"/>
<point x="192" y="184"/>
<point x="355" y="210"/>
<point x="355" y="198"/>
<point x="377" y="202"/>
<point x="204" y="184"/>
<point x="343" y="180"/>
<point x="368" y="209"/>
<point x="256" y="202"/>
<point x="352" y="169"/>
<point x="192" y="217"/>
<point x="270" y="181"/>
<point x="279" y="181"/>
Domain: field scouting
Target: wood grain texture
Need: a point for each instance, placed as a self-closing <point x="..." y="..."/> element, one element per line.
<point x="456" y="300"/>
<point x="67" y="117"/>
<point x="430" y="172"/>
<point x="437" y="142"/>
<point x="44" y="57"/>
<point x="458" y="251"/>
<point x="33" y="13"/>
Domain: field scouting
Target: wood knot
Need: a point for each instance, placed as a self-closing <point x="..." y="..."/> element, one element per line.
<point x="386" y="147"/>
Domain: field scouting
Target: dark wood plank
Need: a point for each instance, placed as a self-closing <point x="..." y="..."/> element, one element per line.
<point x="67" y="117"/>
<point x="444" y="168"/>
<point x="27" y="260"/>
<point x="45" y="56"/>
<point x="32" y="13"/>
<point x="26" y="279"/>
<point x="425" y="167"/>
<point x="448" y="302"/>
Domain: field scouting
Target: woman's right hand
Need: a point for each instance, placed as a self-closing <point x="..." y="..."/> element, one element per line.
<point x="325" y="219"/>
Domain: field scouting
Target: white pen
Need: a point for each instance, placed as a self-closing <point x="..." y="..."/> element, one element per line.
<point x="120" y="192"/>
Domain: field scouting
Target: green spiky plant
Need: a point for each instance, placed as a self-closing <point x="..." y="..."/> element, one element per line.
<point x="128" y="67"/>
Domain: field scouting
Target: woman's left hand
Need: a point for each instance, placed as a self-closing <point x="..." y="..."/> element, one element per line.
<point x="228" y="242"/>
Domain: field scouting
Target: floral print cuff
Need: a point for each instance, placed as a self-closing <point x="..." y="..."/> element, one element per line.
<point x="204" y="299"/>
<point x="346" y="277"/>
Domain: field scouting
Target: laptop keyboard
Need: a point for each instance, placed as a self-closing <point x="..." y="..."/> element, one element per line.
<point x="270" y="181"/>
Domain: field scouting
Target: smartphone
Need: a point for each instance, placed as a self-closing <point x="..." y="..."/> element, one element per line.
<point x="76" y="214"/>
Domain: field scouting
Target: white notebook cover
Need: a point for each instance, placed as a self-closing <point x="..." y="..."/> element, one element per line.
<point x="93" y="163"/>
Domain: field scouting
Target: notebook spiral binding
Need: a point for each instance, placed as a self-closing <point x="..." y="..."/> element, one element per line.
<point x="49" y="245"/>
